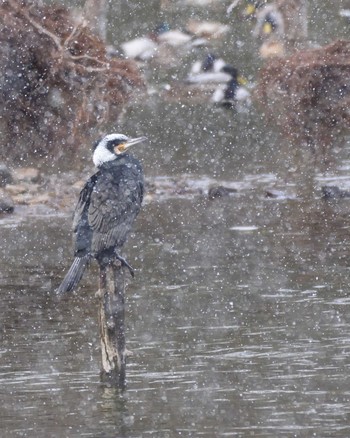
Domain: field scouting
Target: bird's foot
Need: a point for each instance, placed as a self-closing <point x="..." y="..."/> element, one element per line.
<point x="125" y="264"/>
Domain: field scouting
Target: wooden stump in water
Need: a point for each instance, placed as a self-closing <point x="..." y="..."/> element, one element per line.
<point x="112" y="327"/>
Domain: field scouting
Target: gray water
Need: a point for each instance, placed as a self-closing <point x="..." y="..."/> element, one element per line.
<point x="238" y="317"/>
<point x="238" y="320"/>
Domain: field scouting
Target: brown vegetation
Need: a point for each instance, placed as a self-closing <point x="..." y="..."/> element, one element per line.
<point x="56" y="81"/>
<point x="308" y="93"/>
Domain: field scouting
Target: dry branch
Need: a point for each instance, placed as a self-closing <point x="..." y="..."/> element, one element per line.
<point x="56" y="82"/>
<point x="308" y="94"/>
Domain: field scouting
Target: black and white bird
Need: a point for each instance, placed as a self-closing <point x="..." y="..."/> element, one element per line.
<point x="233" y="91"/>
<point x="107" y="207"/>
<point x="208" y="71"/>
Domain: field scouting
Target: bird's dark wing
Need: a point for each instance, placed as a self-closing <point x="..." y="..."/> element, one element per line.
<point x="81" y="228"/>
<point x="114" y="204"/>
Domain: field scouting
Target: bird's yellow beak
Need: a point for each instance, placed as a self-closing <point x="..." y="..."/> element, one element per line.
<point x="267" y="28"/>
<point x="131" y="142"/>
<point x="249" y="10"/>
<point x="242" y="80"/>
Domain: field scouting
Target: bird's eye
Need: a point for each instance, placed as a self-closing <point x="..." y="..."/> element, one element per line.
<point x="120" y="148"/>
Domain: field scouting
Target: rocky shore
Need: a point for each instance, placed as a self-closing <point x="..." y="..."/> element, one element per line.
<point x="27" y="186"/>
<point x="31" y="188"/>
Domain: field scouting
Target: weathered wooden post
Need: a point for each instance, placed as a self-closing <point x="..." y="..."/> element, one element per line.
<point x="112" y="327"/>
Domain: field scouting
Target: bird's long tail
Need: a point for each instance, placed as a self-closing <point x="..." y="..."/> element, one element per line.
<point x="74" y="275"/>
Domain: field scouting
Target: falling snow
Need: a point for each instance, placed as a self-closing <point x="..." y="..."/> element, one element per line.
<point x="238" y="314"/>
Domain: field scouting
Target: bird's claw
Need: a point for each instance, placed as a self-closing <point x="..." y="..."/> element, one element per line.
<point x="126" y="264"/>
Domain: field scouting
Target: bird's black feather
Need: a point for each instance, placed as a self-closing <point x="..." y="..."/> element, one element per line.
<point x="107" y="207"/>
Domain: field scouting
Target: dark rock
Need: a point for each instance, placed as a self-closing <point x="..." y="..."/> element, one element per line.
<point x="220" y="192"/>
<point x="275" y="194"/>
<point x="334" y="192"/>
<point x="6" y="203"/>
<point x="5" y="175"/>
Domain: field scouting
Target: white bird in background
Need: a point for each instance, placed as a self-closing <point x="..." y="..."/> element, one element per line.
<point x="210" y="70"/>
<point x="147" y="47"/>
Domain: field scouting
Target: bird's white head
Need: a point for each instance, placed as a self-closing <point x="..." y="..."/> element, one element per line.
<point x="111" y="146"/>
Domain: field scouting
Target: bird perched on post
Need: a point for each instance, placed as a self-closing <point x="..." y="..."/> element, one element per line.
<point x="107" y="207"/>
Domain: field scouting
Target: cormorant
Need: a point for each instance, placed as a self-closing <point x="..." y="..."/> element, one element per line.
<point x="107" y="207"/>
